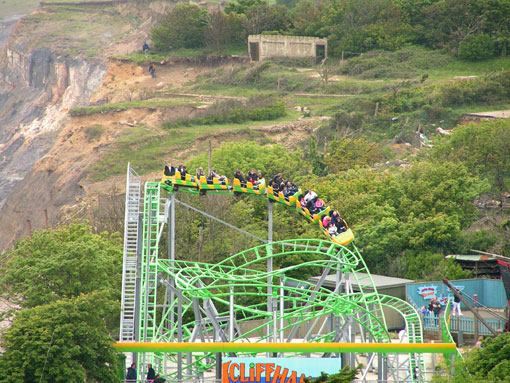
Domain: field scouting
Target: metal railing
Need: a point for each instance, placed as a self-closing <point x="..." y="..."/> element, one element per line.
<point x="463" y="324"/>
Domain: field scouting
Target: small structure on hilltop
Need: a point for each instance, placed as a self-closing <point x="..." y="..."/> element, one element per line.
<point x="261" y="47"/>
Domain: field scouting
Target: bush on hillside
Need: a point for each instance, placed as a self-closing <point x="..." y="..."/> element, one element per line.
<point x="405" y="63"/>
<point x="479" y="47"/>
<point x="183" y="27"/>
<point x="234" y="111"/>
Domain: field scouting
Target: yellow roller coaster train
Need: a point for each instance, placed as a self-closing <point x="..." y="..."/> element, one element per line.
<point x="203" y="185"/>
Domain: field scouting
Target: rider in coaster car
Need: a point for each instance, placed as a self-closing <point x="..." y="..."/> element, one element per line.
<point x="214" y="174"/>
<point x="239" y="175"/>
<point x="338" y="221"/>
<point x="252" y="177"/>
<point x="319" y="205"/>
<point x="332" y="229"/>
<point x="302" y="202"/>
<point x="310" y="195"/>
<point x="291" y="188"/>
<point x="169" y="170"/>
<point x="278" y="182"/>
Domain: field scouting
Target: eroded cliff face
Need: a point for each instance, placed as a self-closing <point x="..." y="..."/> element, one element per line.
<point x="39" y="91"/>
<point x="55" y="59"/>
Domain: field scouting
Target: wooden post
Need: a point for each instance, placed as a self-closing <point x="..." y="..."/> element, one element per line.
<point x="376" y="109"/>
<point x="29" y="227"/>
<point x="46" y="218"/>
<point x="475" y="323"/>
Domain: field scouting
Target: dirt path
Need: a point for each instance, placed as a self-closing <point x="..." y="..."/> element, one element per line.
<point x="126" y="81"/>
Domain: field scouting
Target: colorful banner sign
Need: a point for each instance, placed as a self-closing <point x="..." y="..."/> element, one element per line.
<point x="276" y="370"/>
<point x="427" y="292"/>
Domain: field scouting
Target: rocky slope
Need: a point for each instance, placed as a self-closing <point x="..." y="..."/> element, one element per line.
<point x="55" y="59"/>
<point x="50" y="159"/>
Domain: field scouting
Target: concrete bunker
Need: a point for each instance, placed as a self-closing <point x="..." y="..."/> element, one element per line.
<point x="261" y="47"/>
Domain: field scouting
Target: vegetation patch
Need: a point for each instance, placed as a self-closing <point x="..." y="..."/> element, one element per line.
<point x="92" y="28"/>
<point x="406" y="63"/>
<point x="197" y="55"/>
<point x="233" y="111"/>
<point x="93" y="133"/>
<point x="17" y="7"/>
<point x="111" y="108"/>
<point x="147" y="149"/>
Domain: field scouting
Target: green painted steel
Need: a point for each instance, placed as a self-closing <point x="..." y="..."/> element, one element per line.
<point x="245" y="272"/>
<point x="149" y="260"/>
<point x="307" y="308"/>
<point x="446" y="335"/>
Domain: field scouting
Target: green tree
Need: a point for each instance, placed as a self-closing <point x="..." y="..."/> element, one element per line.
<point x="316" y="159"/>
<point x="484" y="148"/>
<point x="346" y="375"/>
<point x="245" y="156"/>
<point x="62" y="342"/>
<point x="422" y="210"/>
<point x="267" y="18"/>
<point x="362" y="25"/>
<point x="496" y="26"/>
<point x="222" y="29"/>
<point x="242" y="6"/>
<point x="183" y="27"/>
<point x="489" y="363"/>
<point x="287" y="3"/>
<point x="62" y="263"/>
<point x="309" y="17"/>
<point x="477" y="47"/>
<point x="414" y="9"/>
<point x="347" y="153"/>
<point x="449" y="22"/>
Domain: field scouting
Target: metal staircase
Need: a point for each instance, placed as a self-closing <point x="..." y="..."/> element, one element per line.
<point x="128" y="303"/>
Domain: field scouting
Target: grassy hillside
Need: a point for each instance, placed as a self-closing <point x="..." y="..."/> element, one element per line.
<point x="17" y="7"/>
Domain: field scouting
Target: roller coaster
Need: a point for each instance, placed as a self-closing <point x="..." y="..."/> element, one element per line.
<point x="242" y="299"/>
<point x="203" y="185"/>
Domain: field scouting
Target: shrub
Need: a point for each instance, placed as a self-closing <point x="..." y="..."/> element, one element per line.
<point x="183" y="27"/>
<point x="93" y="133"/>
<point x="405" y="63"/>
<point x="478" y="47"/>
<point x="234" y="111"/>
<point x="435" y="112"/>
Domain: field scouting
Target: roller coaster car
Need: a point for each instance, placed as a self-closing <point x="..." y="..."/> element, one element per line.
<point x="343" y="238"/>
<point x="279" y="197"/>
<point x="318" y="216"/>
<point x="304" y="212"/>
<point x="167" y="180"/>
<point x="172" y="183"/>
<point x="250" y="188"/>
<point x="188" y="181"/>
<point x="216" y="184"/>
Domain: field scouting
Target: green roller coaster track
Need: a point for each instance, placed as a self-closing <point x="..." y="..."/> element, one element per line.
<point x="227" y="302"/>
